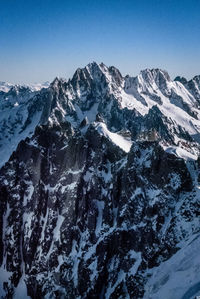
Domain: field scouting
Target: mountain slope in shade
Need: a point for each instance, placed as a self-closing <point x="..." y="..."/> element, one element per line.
<point x="99" y="187"/>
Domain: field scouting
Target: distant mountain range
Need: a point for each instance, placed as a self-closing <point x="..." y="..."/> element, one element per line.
<point x="5" y="86"/>
<point x="100" y="186"/>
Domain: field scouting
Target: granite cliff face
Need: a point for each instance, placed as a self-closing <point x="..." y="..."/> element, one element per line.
<point x="99" y="192"/>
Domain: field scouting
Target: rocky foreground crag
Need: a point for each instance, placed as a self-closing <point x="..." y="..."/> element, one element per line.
<point x="100" y="187"/>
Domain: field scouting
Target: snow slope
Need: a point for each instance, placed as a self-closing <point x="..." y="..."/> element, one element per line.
<point x="177" y="277"/>
<point x="122" y="142"/>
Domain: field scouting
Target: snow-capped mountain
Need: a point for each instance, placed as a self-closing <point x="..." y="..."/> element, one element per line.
<point x="6" y="86"/>
<point x="99" y="187"/>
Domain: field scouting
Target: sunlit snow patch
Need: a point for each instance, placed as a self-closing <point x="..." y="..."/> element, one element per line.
<point x="123" y="142"/>
<point x="180" y="152"/>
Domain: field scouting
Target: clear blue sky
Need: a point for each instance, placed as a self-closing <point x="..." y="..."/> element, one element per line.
<point x="43" y="39"/>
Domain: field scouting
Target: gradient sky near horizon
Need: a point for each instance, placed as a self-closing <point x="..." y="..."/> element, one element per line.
<point x="40" y="40"/>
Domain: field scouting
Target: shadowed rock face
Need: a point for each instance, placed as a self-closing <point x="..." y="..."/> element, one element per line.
<point x="86" y="218"/>
<point x="80" y="217"/>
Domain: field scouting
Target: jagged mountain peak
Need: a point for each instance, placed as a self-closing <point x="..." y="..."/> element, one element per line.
<point x="155" y="75"/>
<point x="97" y="73"/>
<point x="149" y="79"/>
<point x="91" y="69"/>
<point x="57" y="82"/>
<point x="183" y="80"/>
<point x="94" y="65"/>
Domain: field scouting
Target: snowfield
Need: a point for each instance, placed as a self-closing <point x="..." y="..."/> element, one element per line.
<point x="178" y="277"/>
